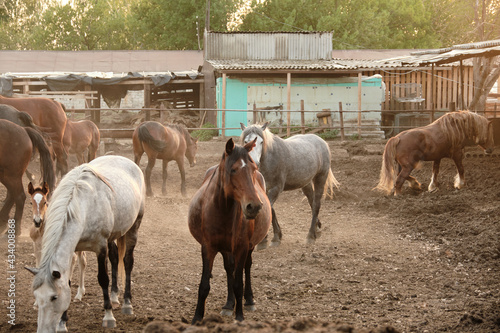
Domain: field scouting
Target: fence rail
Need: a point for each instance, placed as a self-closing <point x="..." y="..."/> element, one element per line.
<point x="340" y="125"/>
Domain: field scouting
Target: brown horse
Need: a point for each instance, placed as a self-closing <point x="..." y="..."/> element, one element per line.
<point x="445" y="137"/>
<point x="39" y="204"/>
<point x="170" y="142"/>
<point x="230" y="214"/>
<point x="80" y="135"/>
<point x="16" y="148"/>
<point x="49" y="115"/>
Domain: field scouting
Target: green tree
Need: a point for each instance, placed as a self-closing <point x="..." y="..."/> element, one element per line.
<point x="177" y="25"/>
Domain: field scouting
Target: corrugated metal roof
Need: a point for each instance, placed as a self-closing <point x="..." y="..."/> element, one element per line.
<point x="268" y="46"/>
<point x="99" y="61"/>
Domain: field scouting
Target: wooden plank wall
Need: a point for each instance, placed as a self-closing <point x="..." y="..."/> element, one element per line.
<point x="446" y="87"/>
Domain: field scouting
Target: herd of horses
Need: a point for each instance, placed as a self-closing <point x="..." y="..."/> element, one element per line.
<point x="98" y="206"/>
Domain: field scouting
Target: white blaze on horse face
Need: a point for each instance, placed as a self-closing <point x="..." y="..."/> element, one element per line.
<point x="243" y="164"/>
<point x="37" y="198"/>
<point x="256" y="152"/>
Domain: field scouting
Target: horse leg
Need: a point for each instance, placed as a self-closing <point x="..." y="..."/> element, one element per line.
<point x="227" y="309"/>
<point x="317" y="193"/>
<point x="30" y="176"/>
<point x="249" y="302"/>
<point x="82" y="263"/>
<point x="109" y="320"/>
<point x="4" y="212"/>
<point x="180" y="164"/>
<point x="149" y="168"/>
<point x="272" y="195"/>
<point x="164" y="178"/>
<point x="128" y="260"/>
<point x="19" y="199"/>
<point x="308" y="191"/>
<point x="208" y="256"/>
<point x="460" y="177"/>
<point x="240" y="259"/>
<point x="402" y="176"/>
<point x="113" y="259"/>
<point x="433" y="186"/>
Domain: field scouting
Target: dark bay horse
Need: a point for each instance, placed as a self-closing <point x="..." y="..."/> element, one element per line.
<point x="230" y="214"/>
<point x="49" y="115"/>
<point x="299" y="162"/>
<point x="94" y="205"/>
<point x="39" y="204"/>
<point x="16" y="148"/>
<point x="23" y="119"/>
<point x="80" y="135"/>
<point x="444" y="138"/>
<point x="166" y="142"/>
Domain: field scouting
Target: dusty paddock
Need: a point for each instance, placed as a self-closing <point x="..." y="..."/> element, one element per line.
<point x="422" y="262"/>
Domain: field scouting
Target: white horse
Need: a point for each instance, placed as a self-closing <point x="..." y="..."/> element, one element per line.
<point x="93" y="205"/>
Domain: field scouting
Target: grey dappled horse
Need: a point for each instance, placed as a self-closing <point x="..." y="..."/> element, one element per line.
<point x="299" y="162"/>
<point x="93" y="205"/>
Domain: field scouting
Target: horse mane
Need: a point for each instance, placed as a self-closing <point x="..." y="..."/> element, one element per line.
<point x="62" y="209"/>
<point x="462" y="125"/>
<point x="266" y="135"/>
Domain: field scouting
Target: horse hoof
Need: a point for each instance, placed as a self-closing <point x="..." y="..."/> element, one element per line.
<point x="275" y="244"/>
<point x="261" y="246"/>
<point x="226" y="312"/>
<point x="128" y="310"/>
<point x="109" y="323"/>
<point x="310" y="241"/>
<point x="61" y="327"/>
<point x="250" y="307"/>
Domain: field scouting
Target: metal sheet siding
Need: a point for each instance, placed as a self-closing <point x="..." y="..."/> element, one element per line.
<point x="269" y="46"/>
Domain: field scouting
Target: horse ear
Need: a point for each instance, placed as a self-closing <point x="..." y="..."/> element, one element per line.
<point x="56" y="274"/>
<point x="45" y="188"/>
<point x="229" y="146"/>
<point x="242" y="126"/>
<point x="32" y="270"/>
<point x="265" y="126"/>
<point x="249" y="146"/>
<point x="31" y="189"/>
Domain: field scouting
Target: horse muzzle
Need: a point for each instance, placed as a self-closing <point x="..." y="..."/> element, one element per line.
<point x="251" y="210"/>
<point x="38" y="222"/>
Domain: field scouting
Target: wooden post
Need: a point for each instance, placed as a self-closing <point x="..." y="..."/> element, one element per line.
<point x="223" y="106"/>
<point x="254" y="113"/>
<point x="341" y="118"/>
<point x="432" y="93"/>
<point x="452" y="106"/>
<point x="461" y="86"/>
<point x="359" y="104"/>
<point x="162" y="113"/>
<point x="147" y="101"/>
<point x="302" y="118"/>
<point x="288" y="102"/>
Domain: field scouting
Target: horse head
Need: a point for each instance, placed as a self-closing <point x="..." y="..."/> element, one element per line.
<point x="39" y="202"/>
<point x="250" y="134"/>
<point x="488" y="142"/>
<point x="53" y="295"/>
<point x="239" y="172"/>
<point x="191" y="149"/>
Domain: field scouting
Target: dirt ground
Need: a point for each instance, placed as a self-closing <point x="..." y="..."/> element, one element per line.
<point x="421" y="262"/>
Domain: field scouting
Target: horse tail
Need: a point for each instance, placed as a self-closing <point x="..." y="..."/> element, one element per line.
<point x="27" y="120"/>
<point x="94" y="143"/>
<point x="47" y="166"/>
<point x="145" y="136"/>
<point x="330" y="182"/>
<point x="389" y="167"/>
<point x="122" y="246"/>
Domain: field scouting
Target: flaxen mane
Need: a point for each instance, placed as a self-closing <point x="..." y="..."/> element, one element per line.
<point x="462" y="125"/>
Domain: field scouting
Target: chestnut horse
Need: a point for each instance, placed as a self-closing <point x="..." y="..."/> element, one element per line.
<point x="445" y="137"/>
<point x="166" y="142"/>
<point x="39" y="204"/>
<point x="230" y="214"/>
<point x="16" y="148"/>
<point x="80" y="135"/>
<point x="49" y="115"/>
